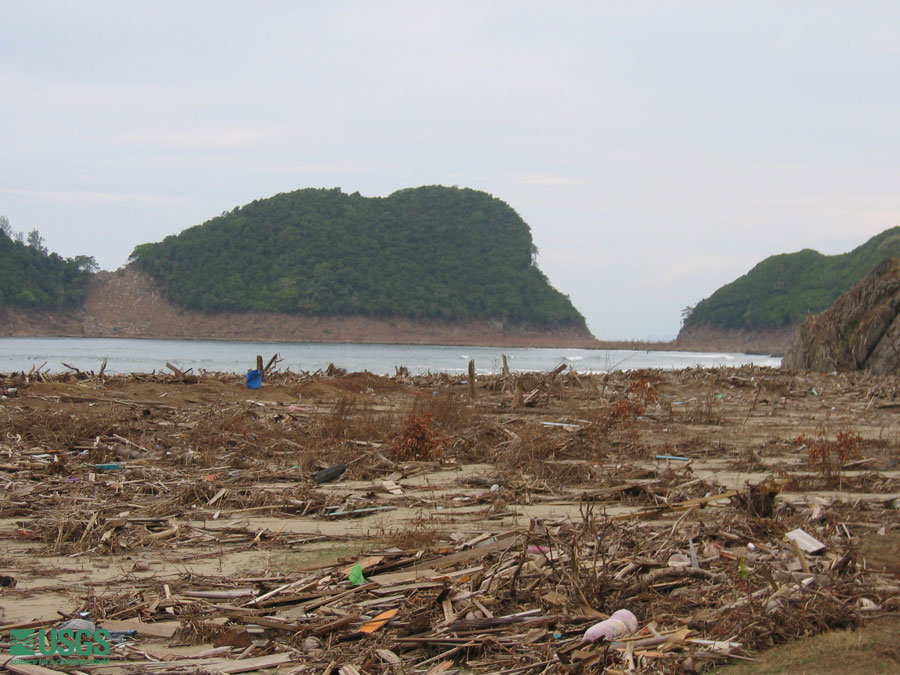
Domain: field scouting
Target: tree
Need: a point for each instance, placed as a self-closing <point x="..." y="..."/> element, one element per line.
<point x="782" y="289"/>
<point x="421" y="252"/>
<point x="84" y="263"/>
<point x="32" y="277"/>
<point x="36" y="241"/>
<point x="5" y="227"/>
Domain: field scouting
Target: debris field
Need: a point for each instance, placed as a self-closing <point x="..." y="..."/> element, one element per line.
<point x="359" y="524"/>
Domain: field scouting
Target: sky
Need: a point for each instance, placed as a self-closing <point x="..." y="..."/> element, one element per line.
<point x="657" y="150"/>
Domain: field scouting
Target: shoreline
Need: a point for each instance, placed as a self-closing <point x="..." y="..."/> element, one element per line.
<point x="598" y="345"/>
<point x="128" y="304"/>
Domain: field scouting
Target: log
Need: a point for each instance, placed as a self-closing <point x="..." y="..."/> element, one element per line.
<point x="556" y="371"/>
<point x="519" y="398"/>
<point x="177" y="371"/>
<point x="274" y="360"/>
<point x="79" y="374"/>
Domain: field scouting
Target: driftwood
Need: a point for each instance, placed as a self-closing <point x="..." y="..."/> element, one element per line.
<point x="80" y="374"/>
<point x="183" y="375"/>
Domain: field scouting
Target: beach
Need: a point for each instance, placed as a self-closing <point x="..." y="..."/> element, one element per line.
<point x="283" y="526"/>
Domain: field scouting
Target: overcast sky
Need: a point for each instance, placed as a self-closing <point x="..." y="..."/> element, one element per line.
<point x="657" y="149"/>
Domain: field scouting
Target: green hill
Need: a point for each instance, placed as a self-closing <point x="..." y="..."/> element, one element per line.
<point x="428" y="252"/>
<point x="782" y="289"/>
<point x="32" y="277"/>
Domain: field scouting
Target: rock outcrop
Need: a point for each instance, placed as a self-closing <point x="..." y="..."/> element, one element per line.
<point x="861" y="331"/>
<point x="706" y="338"/>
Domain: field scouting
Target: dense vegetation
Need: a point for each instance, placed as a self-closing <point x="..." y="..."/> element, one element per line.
<point x="429" y="252"/>
<point x="782" y="289"/>
<point x="32" y="277"/>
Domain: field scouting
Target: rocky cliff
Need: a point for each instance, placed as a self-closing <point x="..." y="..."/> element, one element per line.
<point x="861" y="331"/>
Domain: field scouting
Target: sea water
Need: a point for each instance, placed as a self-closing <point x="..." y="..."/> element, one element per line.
<point x="147" y="355"/>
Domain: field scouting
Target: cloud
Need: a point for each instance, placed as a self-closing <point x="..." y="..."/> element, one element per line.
<point x="94" y="197"/>
<point x="687" y="271"/>
<point x="211" y="137"/>
<point x="537" y="180"/>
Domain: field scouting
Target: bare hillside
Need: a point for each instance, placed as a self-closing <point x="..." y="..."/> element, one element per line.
<point x="127" y="303"/>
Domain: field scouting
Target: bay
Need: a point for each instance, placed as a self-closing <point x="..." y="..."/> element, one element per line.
<point x="126" y="355"/>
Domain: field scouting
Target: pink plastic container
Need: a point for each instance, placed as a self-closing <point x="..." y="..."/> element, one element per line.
<point x="621" y="624"/>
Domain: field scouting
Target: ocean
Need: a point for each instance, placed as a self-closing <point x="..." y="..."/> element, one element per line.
<point x="146" y="355"/>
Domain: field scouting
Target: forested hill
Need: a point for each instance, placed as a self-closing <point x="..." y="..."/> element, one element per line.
<point x="424" y="253"/>
<point x="782" y="289"/>
<point x="31" y="277"/>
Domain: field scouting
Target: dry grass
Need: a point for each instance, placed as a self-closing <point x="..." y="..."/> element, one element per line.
<point x="418" y="440"/>
<point x="826" y="455"/>
<point x="873" y="648"/>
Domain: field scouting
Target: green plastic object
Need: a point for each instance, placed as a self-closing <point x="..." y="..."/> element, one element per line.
<point x="356" y="575"/>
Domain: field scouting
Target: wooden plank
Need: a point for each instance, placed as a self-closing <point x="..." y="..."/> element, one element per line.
<point x="807" y="543"/>
<point x="394" y="578"/>
<point x="162" y="629"/>
<point x="269" y="622"/>
<point x="246" y="665"/>
<point x="379" y="621"/>
<point x="365" y="563"/>
<point x="315" y="604"/>
<point x="388" y="657"/>
<point x="25" y="669"/>
<point x="5" y="628"/>
<point x="390" y="590"/>
<point x="500" y="544"/>
<point x="230" y="594"/>
<point x="299" y="586"/>
<point x="382" y="601"/>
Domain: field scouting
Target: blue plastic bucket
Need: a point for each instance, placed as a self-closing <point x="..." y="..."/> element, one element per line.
<point x="254" y="379"/>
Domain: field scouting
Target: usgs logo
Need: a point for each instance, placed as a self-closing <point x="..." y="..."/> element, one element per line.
<point x="79" y="645"/>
